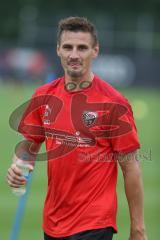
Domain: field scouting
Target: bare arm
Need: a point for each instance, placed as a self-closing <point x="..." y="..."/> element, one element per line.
<point x="24" y="149"/>
<point x="134" y="193"/>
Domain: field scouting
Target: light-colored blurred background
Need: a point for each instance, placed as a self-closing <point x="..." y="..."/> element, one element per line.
<point x="129" y="34"/>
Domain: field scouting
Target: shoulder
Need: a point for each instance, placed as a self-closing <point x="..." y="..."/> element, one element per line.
<point x="105" y="89"/>
<point x="48" y="88"/>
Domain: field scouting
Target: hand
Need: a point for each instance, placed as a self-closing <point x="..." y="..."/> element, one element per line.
<point x="138" y="235"/>
<point x="14" y="177"/>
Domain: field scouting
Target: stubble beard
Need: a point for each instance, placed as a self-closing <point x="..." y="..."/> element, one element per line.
<point x="74" y="74"/>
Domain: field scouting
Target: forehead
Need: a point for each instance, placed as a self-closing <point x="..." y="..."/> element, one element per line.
<point x="69" y="37"/>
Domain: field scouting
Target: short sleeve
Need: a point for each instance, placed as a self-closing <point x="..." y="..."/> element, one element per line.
<point x="126" y="141"/>
<point x="31" y="125"/>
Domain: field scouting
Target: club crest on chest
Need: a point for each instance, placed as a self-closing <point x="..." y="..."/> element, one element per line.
<point x="89" y="118"/>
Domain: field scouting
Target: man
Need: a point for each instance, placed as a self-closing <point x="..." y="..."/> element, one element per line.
<point x="88" y="127"/>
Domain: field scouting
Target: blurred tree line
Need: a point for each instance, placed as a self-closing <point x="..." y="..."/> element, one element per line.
<point x="53" y="10"/>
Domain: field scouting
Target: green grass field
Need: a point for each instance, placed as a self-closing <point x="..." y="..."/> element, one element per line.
<point x="146" y="109"/>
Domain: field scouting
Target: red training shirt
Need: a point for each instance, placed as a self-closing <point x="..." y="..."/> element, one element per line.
<point x="83" y="131"/>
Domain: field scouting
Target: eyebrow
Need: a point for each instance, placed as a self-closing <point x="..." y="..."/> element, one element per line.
<point x="79" y="46"/>
<point x="83" y="45"/>
<point x="66" y="45"/>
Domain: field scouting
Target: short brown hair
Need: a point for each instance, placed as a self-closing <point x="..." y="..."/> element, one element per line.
<point x="77" y="24"/>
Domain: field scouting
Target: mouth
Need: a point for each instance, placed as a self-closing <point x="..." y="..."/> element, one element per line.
<point x="75" y="64"/>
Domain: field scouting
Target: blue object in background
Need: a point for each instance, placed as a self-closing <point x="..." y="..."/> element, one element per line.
<point x="50" y="77"/>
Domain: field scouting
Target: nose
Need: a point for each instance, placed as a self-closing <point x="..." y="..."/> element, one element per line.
<point x="74" y="54"/>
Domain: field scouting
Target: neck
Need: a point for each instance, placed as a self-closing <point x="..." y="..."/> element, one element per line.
<point x="88" y="78"/>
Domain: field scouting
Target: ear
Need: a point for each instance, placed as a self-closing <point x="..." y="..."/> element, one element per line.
<point x="95" y="50"/>
<point x="58" y="53"/>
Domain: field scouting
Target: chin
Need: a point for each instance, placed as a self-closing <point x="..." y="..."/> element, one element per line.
<point x="75" y="74"/>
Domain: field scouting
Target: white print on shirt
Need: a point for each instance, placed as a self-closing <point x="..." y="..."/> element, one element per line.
<point x="70" y="140"/>
<point x="47" y="112"/>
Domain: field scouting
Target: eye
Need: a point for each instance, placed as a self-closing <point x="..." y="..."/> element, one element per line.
<point x="82" y="47"/>
<point x="67" y="47"/>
